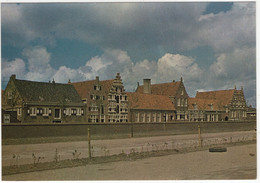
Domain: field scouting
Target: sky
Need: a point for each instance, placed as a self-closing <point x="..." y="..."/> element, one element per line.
<point x="212" y="46"/>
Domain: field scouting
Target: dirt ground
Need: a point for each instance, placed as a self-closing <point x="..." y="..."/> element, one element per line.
<point x="239" y="162"/>
<point x="108" y="147"/>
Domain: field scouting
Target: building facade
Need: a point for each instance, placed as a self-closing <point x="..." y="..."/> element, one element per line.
<point x="42" y="102"/>
<point x="147" y="108"/>
<point x="174" y="90"/>
<point x="106" y="100"/>
<point x="205" y="110"/>
<point x="232" y="101"/>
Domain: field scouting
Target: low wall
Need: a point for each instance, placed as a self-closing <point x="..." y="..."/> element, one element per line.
<point x="23" y="130"/>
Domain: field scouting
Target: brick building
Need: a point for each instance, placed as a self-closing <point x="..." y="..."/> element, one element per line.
<point x="205" y="110"/>
<point x="106" y="100"/>
<point x="150" y="108"/>
<point x="232" y="101"/>
<point x="42" y="102"/>
<point x="174" y="90"/>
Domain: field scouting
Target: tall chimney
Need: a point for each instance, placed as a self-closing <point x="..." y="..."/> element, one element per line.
<point x="147" y="86"/>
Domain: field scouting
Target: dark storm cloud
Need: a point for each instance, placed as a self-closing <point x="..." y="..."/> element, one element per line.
<point x="117" y="25"/>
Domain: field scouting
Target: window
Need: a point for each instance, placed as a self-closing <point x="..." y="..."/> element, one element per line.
<point x="73" y="112"/>
<point x="82" y="112"/>
<point x="19" y="111"/>
<point x="78" y="112"/>
<point x="10" y="95"/>
<point x="153" y="118"/>
<point x="39" y="111"/>
<point x="102" y="109"/>
<point x="33" y="111"/>
<point x="179" y="102"/>
<point x="6" y="118"/>
<point x="84" y="100"/>
<point x="181" y="92"/>
<point x="117" y="99"/>
<point x="45" y="111"/>
<point x="137" y="117"/>
<point x="117" y="109"/>
<point x="92" y="97"/>
<point x="68" y="111"/>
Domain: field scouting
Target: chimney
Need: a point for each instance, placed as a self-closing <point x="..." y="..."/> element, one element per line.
<point x="53" y="81"/>
<point x="147" y="86"/>
<point x="173" y="81"/>
<point x="69" y="82"/>
<point x="97" y="78"/>
<point x="13" y="77"/>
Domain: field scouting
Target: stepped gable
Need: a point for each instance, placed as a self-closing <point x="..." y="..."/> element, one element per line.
<point x="84" y="88"/>
<point x="167" y="89"/>
<point x="149" y="101"/>
<point x="32" y="91"/>
<point x="204" y="104"/>
<point x="223" y="96"/>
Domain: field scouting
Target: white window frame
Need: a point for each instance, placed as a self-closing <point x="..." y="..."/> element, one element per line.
<point x="68" y="111"/>
<point x="78" y="111"/>
<point x="33" y="111"/>
<point x="45" y="111"/>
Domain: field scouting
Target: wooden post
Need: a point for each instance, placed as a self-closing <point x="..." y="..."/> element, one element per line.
<point x="89" y="145"/>
<point x="132" y="129"/>
<point x="200" y="140"/>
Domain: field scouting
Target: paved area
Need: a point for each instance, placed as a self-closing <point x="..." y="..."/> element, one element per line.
<point x="239" y="162"/>
<point x="114" y="146"/>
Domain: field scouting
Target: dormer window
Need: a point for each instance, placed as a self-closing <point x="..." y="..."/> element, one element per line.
<point x="96" y="87"/>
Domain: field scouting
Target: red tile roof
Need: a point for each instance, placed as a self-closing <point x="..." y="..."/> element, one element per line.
<point x="223" y="96"/>
<point x="149" y="101"/>
<point x="84" y="88"/>
<point x="204" y="104"/>
<point x="167" y="89"/>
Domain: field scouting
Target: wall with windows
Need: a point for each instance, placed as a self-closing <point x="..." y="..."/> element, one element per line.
<point x="51" y="114"/>
<point x="151" y="116"/>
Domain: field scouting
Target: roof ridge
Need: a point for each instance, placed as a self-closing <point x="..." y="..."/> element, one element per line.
<point x="29" y="81"/>
<point x="92" y="81"/>
<point x="163" y="83"/>
<point x="214" y="90"/>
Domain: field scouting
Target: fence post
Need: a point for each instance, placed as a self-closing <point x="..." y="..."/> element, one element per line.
<point x="132" y="129"/>
<point x="199" y="134"/>
<point x="89" y="145"/>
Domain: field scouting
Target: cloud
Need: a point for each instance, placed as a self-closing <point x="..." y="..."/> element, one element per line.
<point x="16" y="66"/>
<point x="132" y="26"/>
<point x="239" y="64"/>
<point x="38" y="63"/>
<point x="229" y="30"/>
<point x="229" y="69"/>
<point x="64" y="74"/>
